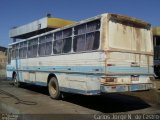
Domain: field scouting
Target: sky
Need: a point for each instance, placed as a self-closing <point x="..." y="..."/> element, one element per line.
<point x="20" y="12"/>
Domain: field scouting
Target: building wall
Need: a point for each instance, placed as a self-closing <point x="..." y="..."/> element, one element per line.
<point x="3" y="62"/>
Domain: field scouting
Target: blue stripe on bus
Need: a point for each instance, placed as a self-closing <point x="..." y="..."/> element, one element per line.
<point x="114" y="69"/>
<point x="86" y="69"/>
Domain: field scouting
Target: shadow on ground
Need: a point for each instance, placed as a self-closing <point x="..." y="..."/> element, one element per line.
<point x="108" y="103"/>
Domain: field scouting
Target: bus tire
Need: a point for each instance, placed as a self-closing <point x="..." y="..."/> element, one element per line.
<point x="15" y="80"/>
<point x="53" y="89"/>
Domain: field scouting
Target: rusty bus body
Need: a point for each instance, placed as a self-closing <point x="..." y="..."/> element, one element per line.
<point x="104" y="54"/>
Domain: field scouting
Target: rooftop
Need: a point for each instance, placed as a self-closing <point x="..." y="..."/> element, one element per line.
<point x="38" y="27"/>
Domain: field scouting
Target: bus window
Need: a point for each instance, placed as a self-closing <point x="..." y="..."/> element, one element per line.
<point x="13" y="52"/>
<point x="67" y="33"/>
<point x="92" y="41"/>
<point x="32" y="48"/>
<point x="48" y="50"/>
<point x="93" y="26"/>
<point x="67" y="45"/>
<point x="58" y="35"/>
<point x="9" y="55"/>
<point x="23" y="50"/>
<point x="57" y="46"/>
<point x="42" y="46"/>
<point x="45" y="45"/>
<point x="80" y="29"/>
<point x="86" y="36"/>
<point x="63" y="41"/>
<point x="79" y="43"/>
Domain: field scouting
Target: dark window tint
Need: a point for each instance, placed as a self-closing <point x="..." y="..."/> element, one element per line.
<point x="79" y="43"/>
<point x="86" y="36"/>
<point x="93" y="26"/>
<point x="42" y="39"/>
<point x="13" y="54"/>
<point x="45" y="45"/>
<point x="23" y="50"/>
<point x="32" y="48"/>
<point x="58" y="35"/>
<point x="67" y="45"/>
<point x="15" y="51"/>
<point x="42" y="47"/>
<point x="67" y="33"/>
<point x="92" y="41"/>
<point x="9" y="55"/>
<point x="80" y="29"/>
<point x="49" y="37"/>
<point x="48" y="50"/>
<point x="57" y="46"/>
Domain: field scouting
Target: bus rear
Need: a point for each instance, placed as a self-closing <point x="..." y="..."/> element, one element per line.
<point x="129" y="55"/>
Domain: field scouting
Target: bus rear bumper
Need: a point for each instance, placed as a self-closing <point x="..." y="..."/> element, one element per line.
<point x="125" y="88"/>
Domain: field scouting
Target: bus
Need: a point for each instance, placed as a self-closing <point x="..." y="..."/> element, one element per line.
<point x="156" y="45"/>
<point x="107" y="53"/>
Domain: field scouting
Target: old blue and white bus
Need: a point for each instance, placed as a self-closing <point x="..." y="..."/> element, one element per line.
<point x="103" y="54"/>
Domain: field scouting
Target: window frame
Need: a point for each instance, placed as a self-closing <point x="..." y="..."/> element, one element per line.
<point x="71" y="36"/>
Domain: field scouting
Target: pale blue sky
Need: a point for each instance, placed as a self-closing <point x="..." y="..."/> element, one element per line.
<point x="19" y="12"/>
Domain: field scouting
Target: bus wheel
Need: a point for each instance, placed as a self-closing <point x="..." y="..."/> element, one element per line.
<point x="53" y="89"/>
<point x="14" y="78"/>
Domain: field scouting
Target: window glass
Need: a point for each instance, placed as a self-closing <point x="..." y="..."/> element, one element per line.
<point x="57" y="46"/>
<point x="33" y="47"/>
<point x="48" y="50"/>
<point x="63" y="41"/>
<point x="58" y="35"/>
<point x="29" y="54"/>
<point x="49" y="37"/>
<point x="87" y="36"/>
<point x="67" y="33"/>
<point x="45" y="45"/>
<point x="42" y="39"/>
<point x="42" y="47"/>
<point x="9" y="55"/>
<point x="67" y="45"/>
<point x="23" y="50"/>
<point x="13" y="52"/>
<point x="80" y="29"/>
<point x="21" y="53"/>
<point x="17" y="53"/>
<point x="90" y="37"/>
<point x="79" y="43"/>
<point x="93" y="26"/>
<point x="34" y="50"/>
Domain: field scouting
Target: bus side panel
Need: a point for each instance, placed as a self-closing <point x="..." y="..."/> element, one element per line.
<point x="78" y="73"/>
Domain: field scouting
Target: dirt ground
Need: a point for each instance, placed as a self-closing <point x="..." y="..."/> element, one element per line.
<point x="34" y="100"/>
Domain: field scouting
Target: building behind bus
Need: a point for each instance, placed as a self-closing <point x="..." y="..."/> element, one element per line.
<point x="3" y="59"/>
